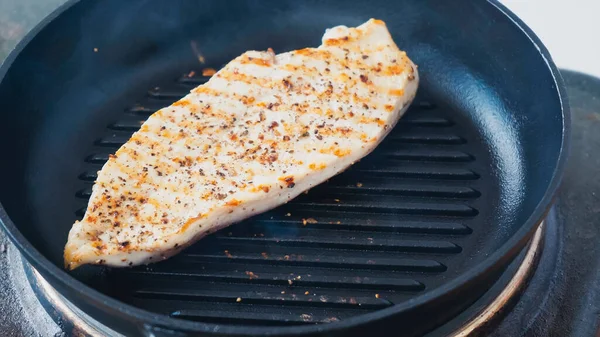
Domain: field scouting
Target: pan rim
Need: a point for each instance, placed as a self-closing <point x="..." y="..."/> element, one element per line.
<point x="505" y="253"/>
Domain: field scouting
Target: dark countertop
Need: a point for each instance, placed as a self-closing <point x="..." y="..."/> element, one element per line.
<point x="18" y="17"/>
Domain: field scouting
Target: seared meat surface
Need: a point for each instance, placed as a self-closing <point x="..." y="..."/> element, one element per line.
<point x="265" y="128"/>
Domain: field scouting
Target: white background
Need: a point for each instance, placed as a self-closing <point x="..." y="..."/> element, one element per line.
<point x="570" y="29"/>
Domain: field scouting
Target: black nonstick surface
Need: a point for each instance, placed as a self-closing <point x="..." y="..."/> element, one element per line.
<point x="403" y="240"/>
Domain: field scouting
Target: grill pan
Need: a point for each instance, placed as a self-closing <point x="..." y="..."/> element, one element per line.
<point x="398" y="244"/>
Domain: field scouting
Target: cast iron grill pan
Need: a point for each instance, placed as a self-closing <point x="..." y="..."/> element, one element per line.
<point x="401" y="242"/>
<point x="397" y="224"/>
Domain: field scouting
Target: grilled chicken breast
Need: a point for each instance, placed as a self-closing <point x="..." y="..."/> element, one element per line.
<point x="261" y="131"/>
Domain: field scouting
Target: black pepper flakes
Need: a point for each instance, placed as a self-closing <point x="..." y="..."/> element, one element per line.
<point x="288" y="85"/>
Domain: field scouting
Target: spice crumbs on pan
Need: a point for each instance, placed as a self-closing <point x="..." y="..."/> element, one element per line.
<point x="306" y="317"/>
<point x="306" y="293"/>
<point x="251" y="275"/>
<point x="95" y="50"/>
<point x="359" y="184"/>
<point x="208" y="72"/>
<point x="239" y="299"/>
<point x="376" y="295"/>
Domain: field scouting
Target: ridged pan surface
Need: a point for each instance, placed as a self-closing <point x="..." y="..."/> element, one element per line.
<point x="396" y="224"/>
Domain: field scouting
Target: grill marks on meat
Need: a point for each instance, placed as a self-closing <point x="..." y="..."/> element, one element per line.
<point x="264" y="129"/>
